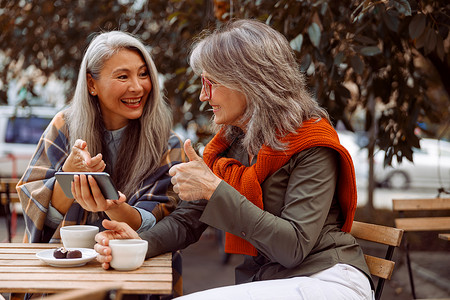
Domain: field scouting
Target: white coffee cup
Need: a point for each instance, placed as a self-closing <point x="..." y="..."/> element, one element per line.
<point x="78" y="236"/>
<point x="128" y="254"/>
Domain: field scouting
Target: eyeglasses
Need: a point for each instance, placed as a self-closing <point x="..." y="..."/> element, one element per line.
<point x="207" y="86"/>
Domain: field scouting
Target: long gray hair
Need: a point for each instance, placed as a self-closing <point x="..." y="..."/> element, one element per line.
<point x="144" y="141"/>
<point x="251" y="57"/>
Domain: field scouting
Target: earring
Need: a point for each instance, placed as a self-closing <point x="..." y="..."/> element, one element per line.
<point x="92" y="92"/>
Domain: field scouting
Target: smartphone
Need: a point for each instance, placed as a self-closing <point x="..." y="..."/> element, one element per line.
<point x="103" y="179"/>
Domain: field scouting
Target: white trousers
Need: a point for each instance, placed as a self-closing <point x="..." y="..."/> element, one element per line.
<point x="338" y="282"/>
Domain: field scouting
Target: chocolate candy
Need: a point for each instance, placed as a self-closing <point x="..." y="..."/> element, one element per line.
<point x="64" y="253"/>
<point x="74" y="254"/>
<point x="60" y="253"/>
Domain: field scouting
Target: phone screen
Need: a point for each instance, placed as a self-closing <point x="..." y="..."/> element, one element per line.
<point x="103" y="179"/>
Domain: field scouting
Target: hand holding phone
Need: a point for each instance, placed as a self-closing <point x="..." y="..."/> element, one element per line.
<point x="103" y="180"/>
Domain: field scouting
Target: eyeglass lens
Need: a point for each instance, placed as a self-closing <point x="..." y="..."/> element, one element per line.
<point x="207" y="86"/>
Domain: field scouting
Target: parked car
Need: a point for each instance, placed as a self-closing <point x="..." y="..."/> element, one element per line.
<point x="20" y="130"/>
<point x="430" y="169"/>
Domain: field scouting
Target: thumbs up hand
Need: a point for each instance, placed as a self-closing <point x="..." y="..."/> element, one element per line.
<point x="193" y="180"/>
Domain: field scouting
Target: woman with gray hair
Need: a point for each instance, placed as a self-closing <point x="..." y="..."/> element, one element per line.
<point x="117" y="122"/>
<point x="274" y="177"/>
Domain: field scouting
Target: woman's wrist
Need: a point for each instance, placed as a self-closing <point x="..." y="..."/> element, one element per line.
<point x="125" y="213"/>
<point x="212" y="187"/>
<point x="117" y="207"/>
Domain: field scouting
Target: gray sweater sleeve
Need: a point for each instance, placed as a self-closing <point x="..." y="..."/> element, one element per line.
<point x="289" y="237"/>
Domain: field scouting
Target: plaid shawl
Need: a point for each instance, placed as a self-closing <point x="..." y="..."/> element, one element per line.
<point x="247" y="180"/>
<point x="35" y="188"/>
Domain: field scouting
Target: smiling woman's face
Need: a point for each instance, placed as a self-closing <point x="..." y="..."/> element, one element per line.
<point x="228" y="105"/>
<point x="122" y="89"/>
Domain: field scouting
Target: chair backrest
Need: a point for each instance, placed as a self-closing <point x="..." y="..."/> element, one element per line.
<point x="390" y="237"/>
<point x="8" y="192"/>
<point x="420" y="205"/>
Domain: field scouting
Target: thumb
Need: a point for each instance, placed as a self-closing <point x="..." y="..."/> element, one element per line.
<point x="122" y="198"/>
<point x="79" y="143"/>
<point x="190" y="152"/>
<point x="111" y="225"/>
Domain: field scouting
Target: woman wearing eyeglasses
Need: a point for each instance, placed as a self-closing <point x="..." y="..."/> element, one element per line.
<point x="274" y="177"/>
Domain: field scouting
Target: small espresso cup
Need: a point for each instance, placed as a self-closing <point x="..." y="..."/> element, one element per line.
<point x="128" y="254"/>
<point x="78" y="236"/>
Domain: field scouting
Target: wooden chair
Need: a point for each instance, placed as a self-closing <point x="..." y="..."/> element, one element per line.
<point x="8" y="195"/>
<point x="414" y="223"/>
<point x="388" y="236"/>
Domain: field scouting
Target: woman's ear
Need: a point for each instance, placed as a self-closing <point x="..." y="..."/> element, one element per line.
<point x="91" y="85"/>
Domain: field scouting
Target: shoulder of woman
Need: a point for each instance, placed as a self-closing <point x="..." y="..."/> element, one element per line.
<point x="59" y="120"/>
<point x="315" y="156"/>
<point x="174" y="141"/>
<point x="175" y="150"/>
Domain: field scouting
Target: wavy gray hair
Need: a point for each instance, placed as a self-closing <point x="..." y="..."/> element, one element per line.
<point x="251" y="57"/>
<point x="144" y="141"/>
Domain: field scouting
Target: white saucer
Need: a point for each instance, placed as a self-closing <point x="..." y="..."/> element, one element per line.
<point x="86" y="256"/>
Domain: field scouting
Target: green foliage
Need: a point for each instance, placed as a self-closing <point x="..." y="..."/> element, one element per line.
<point x="375" y="44"/>
<point x="53" y="34"/>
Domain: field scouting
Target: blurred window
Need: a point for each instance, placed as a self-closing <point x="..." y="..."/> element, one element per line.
<point x="25" y="130"/>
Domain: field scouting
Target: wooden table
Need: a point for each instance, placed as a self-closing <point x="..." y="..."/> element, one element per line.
<point x="21" y="271"/>
<point x="444" y="236"/>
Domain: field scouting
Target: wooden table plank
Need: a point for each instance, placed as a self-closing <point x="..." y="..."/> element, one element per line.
<point x="23" y="259"/>
<point x="28" y="246"/>
<point x="19" y="256"/>
<point x="62" y="286"/>
<point x="21" y="251"/>
<point x="107" y="276"/>
<point x="82" y="270"/>
<point x="423" y="224"/>
<point x="19" y="263"/>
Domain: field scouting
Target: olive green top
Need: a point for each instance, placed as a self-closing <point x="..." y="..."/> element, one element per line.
<point x="298" y="232"/>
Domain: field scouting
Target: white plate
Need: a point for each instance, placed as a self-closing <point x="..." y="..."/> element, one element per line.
<point x="86" y="256"/>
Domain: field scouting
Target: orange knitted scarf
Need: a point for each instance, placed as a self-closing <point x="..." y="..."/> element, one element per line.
<point x="247" y="180"/>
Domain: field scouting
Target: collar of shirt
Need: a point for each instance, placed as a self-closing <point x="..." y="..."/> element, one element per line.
<point x="112" y="139"/>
